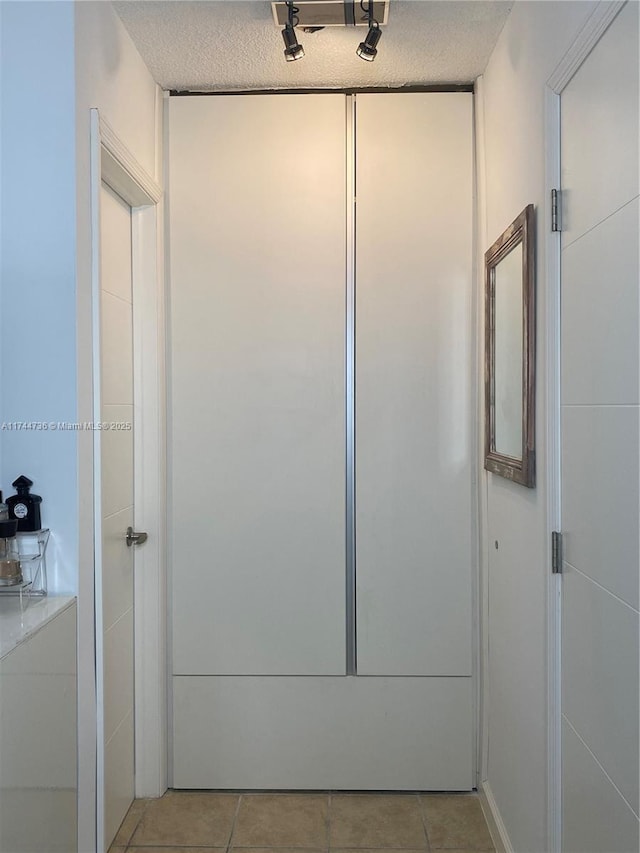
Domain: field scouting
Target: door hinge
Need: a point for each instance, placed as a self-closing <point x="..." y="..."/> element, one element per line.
<point x="556" y="553"/>
<point x="556" y="213"/>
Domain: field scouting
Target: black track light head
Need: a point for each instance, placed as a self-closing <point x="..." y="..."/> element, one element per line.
<point x="292" y="50"/>
<point x="367" y="49"/>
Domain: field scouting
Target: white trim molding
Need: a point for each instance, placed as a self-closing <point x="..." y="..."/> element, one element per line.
<point x="585" y="41"/>
<point x="497" y="828"/>
<point x="481" y="485"/>
<point x="88" y="729"/>
<point x="122" y="172"/>
<point x="118" y="168"/>
<point x="551" y="310"/>
<point x="166" y="261"/>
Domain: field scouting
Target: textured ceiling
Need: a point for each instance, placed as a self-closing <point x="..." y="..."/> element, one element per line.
<point x="230" y="45"/>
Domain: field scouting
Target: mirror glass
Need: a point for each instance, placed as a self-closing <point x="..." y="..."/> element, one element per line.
<point x="508" y="309"/>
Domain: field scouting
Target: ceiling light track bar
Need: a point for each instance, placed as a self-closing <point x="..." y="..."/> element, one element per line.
<point x="318" y="14"/>
<point x="363" y="90"/>
<point x="350" y="13"/>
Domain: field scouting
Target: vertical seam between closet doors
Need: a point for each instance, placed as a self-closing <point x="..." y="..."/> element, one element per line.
<point x="350" y="154"/>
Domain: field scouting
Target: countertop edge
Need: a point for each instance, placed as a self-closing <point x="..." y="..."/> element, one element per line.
<point x="17" y="627"/>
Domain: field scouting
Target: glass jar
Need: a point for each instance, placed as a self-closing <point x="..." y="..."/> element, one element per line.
<point x="4" y="509"/>
<point x="10" y="570"/>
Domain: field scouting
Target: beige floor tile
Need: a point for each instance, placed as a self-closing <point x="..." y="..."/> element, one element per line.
<point x="279" y="850"/>
<point x="456" y="822"/>
<point x="130" y="823"/>
<point x="381" y="850"/>
<point x="174" y="849"/>
<point x="282" y="820"/>
<point x="113" y="849"/>
<point x="376" y="821"/>
<point x="182" y="819"/>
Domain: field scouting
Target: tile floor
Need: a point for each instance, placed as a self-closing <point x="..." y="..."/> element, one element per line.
<point x="197" y="822"/>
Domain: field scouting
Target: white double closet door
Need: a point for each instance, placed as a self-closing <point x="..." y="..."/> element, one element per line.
<point x="321" y="441"/>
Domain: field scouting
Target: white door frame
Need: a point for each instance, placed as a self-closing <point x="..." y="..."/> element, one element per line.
<point x="113" y="163"/>
<point x="585" y="41"/>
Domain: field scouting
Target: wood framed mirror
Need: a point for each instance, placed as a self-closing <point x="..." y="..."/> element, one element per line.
<point x="510" y="352"/>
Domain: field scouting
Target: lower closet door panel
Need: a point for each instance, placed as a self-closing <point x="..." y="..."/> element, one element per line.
<point x="414" y="396"/>
<point x="323" y="733"/>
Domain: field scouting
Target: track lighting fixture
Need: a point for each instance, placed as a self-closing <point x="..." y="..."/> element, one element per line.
<point x="292" y="50"/>
<point x="311" y="16"/>
<point x="368" y="49"/>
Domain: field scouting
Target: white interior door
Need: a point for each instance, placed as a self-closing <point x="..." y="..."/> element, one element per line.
<point x="600" y="429"/>
<point x="115" y="616"/>
<point x="261" y="212"/>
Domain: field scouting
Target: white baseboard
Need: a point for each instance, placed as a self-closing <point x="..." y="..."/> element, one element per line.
<point x="492" y="815"/>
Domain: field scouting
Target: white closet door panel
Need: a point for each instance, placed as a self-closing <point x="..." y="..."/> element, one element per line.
<point x="323" y="733"/>
<point x="600" y="274"/>
<point x="117" y="350"/>
<point x="257" y="218"/>
<point x="603" y="99"/>
<point x="600" y="476"/>
<point x="414" y="413"/>
<point x="597" y="694"/>
<point x="596" y="817"/>
<point x="119" y="788"/>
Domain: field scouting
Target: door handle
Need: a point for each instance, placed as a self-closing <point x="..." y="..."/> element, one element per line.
<point x="133" y="538"/>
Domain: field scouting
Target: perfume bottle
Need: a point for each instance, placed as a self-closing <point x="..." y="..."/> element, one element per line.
<point x="4" y="509"/>
<point x="10" y="570"/>
<point x="25" y="507"/>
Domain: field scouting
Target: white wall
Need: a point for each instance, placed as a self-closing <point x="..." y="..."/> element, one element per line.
<point x="534" y="39"/>
<point x="38" y="346"/>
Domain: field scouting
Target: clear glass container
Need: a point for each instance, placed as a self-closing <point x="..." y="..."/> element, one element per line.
<point x="4" y="509"/>
<point x="10" y="568"/>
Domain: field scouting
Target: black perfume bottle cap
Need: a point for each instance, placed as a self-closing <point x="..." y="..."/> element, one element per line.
<point x="22" y="485"/>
